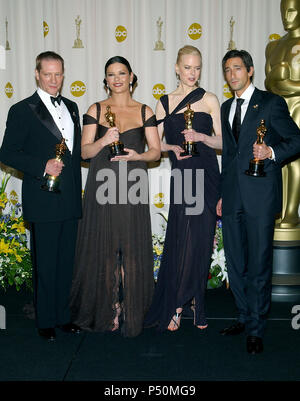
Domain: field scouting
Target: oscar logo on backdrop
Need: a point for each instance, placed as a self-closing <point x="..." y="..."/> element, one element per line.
<point x="158" y="91"/>
<point x="159" y="200"/>
<point x="77" y="88"/>
<point x="159" y="44"/>
<point x="283" y="78"/>
<point x="45" y="28"/>
<point x="120" y="33"/>
<point x="7" y="47"/>
<point x="78" y="42"/>
<point x="195" y="31"/>
<point x="9" y="90"/>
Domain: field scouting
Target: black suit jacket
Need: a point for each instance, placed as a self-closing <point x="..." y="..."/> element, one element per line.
<point x="29" y="142"/>
<point x="258" y="195"/>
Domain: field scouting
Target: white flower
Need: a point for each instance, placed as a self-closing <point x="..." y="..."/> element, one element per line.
<point x="218" y="259"/>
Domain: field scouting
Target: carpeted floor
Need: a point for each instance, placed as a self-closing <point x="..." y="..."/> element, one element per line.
<point x="186" y="355"/>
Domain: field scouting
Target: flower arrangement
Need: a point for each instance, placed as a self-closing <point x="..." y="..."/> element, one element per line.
<point x="15" y="259"/>
<point x="218" y="270"/>
<point x="158" y="246"/>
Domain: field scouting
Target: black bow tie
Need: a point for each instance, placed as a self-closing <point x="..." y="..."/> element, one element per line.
<point x="55" y="99"/>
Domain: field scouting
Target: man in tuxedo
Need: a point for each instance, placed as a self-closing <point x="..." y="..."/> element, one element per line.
<point x="249" y="204"/>
<point x="35" y="126"/>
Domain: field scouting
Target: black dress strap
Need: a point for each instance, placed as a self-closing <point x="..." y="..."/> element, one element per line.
<point x="143" y="110"/>
<point x="151" y="122"/>
<point x="87" y="119"/>
<point x="165" y="103"/>
<point x="194" y="96"/>
<point x="98" y="111"/>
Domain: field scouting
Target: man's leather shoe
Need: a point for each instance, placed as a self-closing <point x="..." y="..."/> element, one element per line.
<point x="70" y="328"/>
<point x="233" y="330"/>
<point x="254" y="345"/>
<point x="48" y="334"/>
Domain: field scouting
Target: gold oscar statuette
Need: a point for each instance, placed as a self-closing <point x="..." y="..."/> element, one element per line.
<point x="52" y="181"/>
<point x="78" y="42"/>
<point x="231" y="44"/>
<point x="190" y="148"/>
<point x="7" y="47"/>
<point x="116" y="148"/>
<point x="283" y="78"/>
<point x="256" y="166"/>
<point x="159" y="44"/>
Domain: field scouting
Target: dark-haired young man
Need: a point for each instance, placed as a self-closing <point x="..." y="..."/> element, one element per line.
<point x="34" y="127"/>
<point x="249" y="204"/>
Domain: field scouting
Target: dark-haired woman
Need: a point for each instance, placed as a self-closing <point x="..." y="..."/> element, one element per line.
<point x="113" y="276"/>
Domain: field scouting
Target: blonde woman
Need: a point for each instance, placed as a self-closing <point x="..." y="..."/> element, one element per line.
<point x="190" y="232"/>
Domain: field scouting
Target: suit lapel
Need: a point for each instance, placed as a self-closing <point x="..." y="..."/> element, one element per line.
<point x="227" y="106"/>
<point x="74" y="116"/>
<point x="252" y="110"/>
<point x="42" y="113"/>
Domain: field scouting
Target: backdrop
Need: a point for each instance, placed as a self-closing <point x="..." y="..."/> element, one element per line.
<point x="147" y="32"/>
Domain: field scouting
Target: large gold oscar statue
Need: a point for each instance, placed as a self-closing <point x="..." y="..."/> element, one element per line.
<point x="283" y="78"/>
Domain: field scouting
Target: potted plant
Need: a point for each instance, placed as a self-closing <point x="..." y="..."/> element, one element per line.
<point x="15" y="258"/>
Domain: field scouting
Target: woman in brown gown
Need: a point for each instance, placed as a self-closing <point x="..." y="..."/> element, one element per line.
<point x="113" y="277"/>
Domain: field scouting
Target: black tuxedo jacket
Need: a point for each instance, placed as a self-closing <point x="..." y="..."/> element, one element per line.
<point x="29" y="142"/>
<point x="258" y="195"/>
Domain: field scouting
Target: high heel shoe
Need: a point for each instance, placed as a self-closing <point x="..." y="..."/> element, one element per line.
<point x="201" y="327"/>
<point x="116" y="323"/>
<point x="175" y="321"/>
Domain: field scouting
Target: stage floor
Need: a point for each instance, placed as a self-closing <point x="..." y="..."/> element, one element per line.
<point x="186" y="355"/>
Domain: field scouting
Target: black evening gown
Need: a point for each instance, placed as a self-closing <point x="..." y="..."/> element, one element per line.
<point x="112" y="238"/>
<point x="189" y="239"/>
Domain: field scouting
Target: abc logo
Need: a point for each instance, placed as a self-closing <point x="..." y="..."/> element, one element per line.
<point x="120" y="33"/>
<point x="195" y="31"/>
<point x="158" y="90"/>
<point x="159" y="200"/>
<point x="77" y="88"/>
<point x="9" y="90"/>
<point x="13" y="197"/>
<point x="274" y="36"/>
<point x="46" y="28"/>
<point x="226" y="91"/>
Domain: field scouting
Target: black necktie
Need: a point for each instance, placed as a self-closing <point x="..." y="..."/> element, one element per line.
<point x="55" y="99"/>
<point x="236" y="124"/>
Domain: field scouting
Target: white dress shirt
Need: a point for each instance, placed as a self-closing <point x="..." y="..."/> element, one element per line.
<point x="246" y="95"/>
<point x="61" y="117"/>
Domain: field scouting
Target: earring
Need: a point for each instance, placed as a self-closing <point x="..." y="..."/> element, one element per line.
<point x="130" y="87"/>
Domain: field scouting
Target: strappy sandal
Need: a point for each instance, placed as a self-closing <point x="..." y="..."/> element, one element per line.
<point x="193" y="308"/>
<point x="175" y="321"/>
<point x="116" y="323"/>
